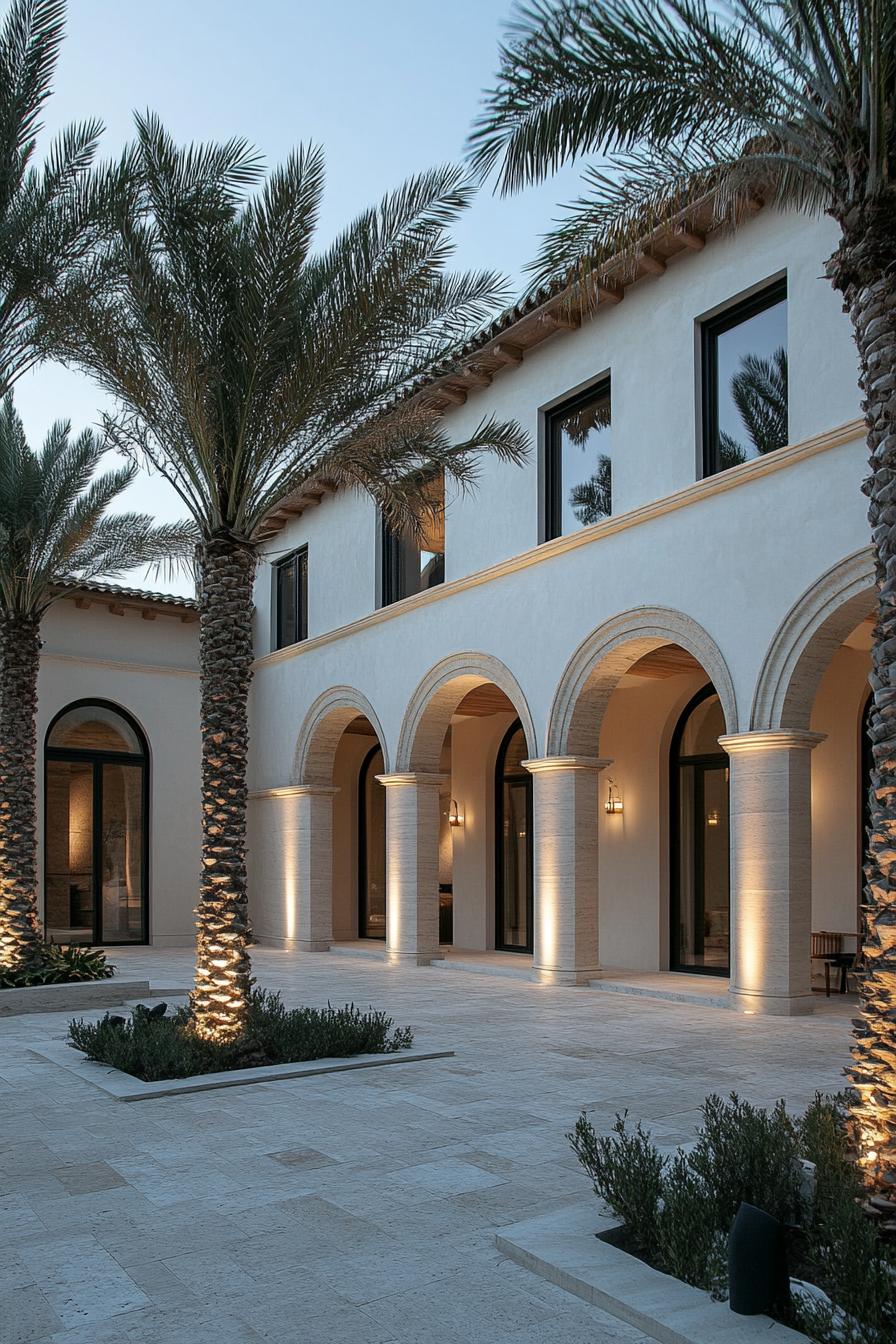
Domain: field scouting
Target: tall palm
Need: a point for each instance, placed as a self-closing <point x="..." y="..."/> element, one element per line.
<point x="245" y="366"/>
<point x="48" y="214"/>
<point x="793" y="102"/>
<point x="55" y="528"/>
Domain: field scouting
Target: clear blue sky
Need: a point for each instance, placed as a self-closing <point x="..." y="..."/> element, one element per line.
<point x="388" y="87"/>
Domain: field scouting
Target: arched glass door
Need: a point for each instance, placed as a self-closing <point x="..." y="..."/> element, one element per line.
<point x="96" y="802"/>
<point x="700" y="905"/>
<point x="513" y="843"/>
<point x="371" y="848"/>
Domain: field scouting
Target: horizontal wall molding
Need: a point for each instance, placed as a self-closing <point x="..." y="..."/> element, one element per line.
<point x="116" y="665"/>
<point x="707" y="488"/>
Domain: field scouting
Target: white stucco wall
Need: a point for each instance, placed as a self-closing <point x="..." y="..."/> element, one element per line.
<point x="149" y="669"/>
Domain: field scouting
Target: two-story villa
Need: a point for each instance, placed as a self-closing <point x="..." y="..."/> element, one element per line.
<point x="605" y="714"/>
<point x="609" y="712"/>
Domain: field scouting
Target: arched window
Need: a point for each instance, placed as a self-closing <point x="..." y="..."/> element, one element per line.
<point x="96" y="804"/>
<point x="513" y="845"/>
<point x="371" y="848"/>
<point x="700" y="884"/>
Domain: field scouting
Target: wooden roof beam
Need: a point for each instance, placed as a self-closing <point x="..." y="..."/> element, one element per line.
<point x="507" y="353"/>
<point x="454" y="395"/>
<point x="691" y="238"/>
<point x="477" y="377"/>
<point x="608" y="292"/>
<point x="558" y="321"/>
<point x="650" y="264"/>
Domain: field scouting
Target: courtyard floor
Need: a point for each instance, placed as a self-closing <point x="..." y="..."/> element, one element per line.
<point x="353" y="1208"/>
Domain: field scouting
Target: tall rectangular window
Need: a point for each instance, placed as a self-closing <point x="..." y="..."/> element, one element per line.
<point x="413" y="561"/>
<point x="291" y="598"/>
<point x="745" y="380"/>
<point x="578" y="463"/>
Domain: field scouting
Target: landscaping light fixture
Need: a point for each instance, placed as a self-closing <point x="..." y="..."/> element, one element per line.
<point x="614" y="798"/>
<point x="455" y="816"/>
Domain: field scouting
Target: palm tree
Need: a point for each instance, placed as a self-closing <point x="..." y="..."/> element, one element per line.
<point x="49" y="215"/>
<point x="696" y="101"/>
<point x="247" y="367"/>
<point x="55" y="529"/>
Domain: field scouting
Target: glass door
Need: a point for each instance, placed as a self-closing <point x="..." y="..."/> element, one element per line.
<point x="69" y="872"/>
<point x="96" y="857"/>
<point x="372" y="849"/>
<point x="513" y="835"/>
<point x="700" y="905"/>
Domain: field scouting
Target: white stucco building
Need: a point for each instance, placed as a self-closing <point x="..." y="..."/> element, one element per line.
<point x="611" y="714"/>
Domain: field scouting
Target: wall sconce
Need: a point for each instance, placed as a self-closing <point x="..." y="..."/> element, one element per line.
<point x="712" y="817"/>
<point x="614" y="798"/>
<point x="455" y="816"/>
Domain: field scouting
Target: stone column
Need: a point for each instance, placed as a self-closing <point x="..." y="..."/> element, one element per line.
<point x="291" y="868"/>
<point x="565" y="812"/>
<point x="771" y="870"/>
<point x="412" y="867"/>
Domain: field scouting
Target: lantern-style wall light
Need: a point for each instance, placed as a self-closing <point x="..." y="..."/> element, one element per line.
<point x="455" y="816"/>
<point x="614" y="798"/>
<point x="712" y="817"/>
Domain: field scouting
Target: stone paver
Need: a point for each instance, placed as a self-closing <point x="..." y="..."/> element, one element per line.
<point x="353" y="1208"/>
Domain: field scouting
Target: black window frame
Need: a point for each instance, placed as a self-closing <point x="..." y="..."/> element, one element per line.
<point x="710" y="330"/>
<point x="298" y="560"/>
<point x="392" y="565"/>
<point x="552" y="525"/>
<point x="526" y="779"/>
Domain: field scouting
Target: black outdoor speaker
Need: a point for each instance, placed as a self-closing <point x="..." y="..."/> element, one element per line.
<point x="757" y="1262"/>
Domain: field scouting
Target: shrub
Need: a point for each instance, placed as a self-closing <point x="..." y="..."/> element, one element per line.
<point x="152" y="1045"/>
<point x="626" y="1171"/>
<point x="58" y="966"/>
<point x="678" y="1211"/>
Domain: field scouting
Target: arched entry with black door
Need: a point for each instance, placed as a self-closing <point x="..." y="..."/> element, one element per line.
<point x="513" y="844"/>
<point x="700" y="881"/>
<point x="96" y="826"/>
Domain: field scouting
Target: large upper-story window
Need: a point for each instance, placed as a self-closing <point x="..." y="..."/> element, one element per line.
<point x="291" y="599"/>
<point x="745" y="380"/>
<point x="578" y="463"/>
<point x="414" y="560"/>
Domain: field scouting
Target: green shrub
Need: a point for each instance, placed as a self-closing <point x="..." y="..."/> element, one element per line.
<point x="678" y="1210"/>
<point x="690" y="1244"/>
<point x="58" y="966"/>
<point x="152" y="1045"/>
<point x="626" y="1171"/>
<point x="745" y="1153"/>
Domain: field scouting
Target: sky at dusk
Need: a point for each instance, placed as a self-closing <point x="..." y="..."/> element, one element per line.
<point x="387" y="87"/>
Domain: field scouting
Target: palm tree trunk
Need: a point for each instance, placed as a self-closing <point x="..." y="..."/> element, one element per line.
<point x="225" y="665"/>
<point x="864" y="269"/>
<point x="20" y="935"/>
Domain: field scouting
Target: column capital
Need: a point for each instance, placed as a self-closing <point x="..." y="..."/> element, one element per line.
<point x="548" y="764"/>
<point x="296" y="791"/>
<point x="781" y="739"/>
<point x="412" y="777"/>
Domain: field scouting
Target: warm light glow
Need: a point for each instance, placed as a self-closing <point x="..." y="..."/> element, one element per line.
<point x="614" y="798"/>
<point x="712" y="818"/>
<point x="455" y="816"/>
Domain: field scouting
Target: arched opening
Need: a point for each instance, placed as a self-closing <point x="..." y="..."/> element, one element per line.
<point x="96" y="806"/>
<point x="513" y="845"/>
<point x="699" y="888"/>
<point x="371" y="847"/>
<point x="445" y="812"/>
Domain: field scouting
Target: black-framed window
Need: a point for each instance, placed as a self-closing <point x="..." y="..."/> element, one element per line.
<point x="291" y="598"/>
<point x="578" y="463"/>
<point x="96" y="826"/>
<point x="744" y="380"/>
<point x="412" y="562"/>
